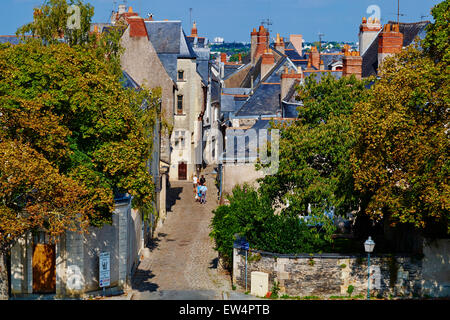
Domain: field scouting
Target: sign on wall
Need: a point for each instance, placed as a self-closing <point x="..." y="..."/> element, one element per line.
<point x="104" y="270"/>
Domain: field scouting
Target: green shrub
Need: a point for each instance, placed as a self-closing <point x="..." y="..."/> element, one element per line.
<point x="250" y="214"/>
<point x="350" y="290"/>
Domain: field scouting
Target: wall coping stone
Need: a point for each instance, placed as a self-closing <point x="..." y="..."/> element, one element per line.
<point x="327" y="255"/>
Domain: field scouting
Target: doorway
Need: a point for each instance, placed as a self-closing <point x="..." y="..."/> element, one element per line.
<point x="182" y="171"/>
<point x="43" y="264"/>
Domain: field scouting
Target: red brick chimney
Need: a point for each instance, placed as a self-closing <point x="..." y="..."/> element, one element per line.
<point x="352" y="64"/>
<point x="267" y="62"/>
<point x="314" y="58"/>
<point x="223" y="57"/>
<point x="390" y="42"/>
<point x="262" y="42"/>
<point x="288" y="79"/>
<point x="137" y="27"/>
<point x="194" y="30"/>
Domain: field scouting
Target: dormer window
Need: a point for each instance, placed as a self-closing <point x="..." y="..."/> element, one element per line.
<point x="180" y="75"/>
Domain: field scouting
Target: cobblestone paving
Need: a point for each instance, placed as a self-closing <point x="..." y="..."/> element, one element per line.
<point x="182" y="255"/>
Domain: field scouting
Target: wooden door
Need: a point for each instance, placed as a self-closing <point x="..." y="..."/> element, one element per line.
<point x="44" y="268"/>
<point x="182" y="171"/>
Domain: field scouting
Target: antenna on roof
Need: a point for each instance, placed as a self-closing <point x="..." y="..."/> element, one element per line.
<point x="190" y="16"/>
<point x="267" y="22"/>
<point x="320" y="41"/>
<point x="423" y="16"/>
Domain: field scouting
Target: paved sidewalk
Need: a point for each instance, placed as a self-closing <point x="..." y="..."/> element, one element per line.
<point x="182" y="257"/>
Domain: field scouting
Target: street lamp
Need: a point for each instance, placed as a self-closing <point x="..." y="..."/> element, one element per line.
<point x="369" y="244"/>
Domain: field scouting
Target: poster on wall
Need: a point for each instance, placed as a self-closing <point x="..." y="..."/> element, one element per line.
<point x="104" y="270"/>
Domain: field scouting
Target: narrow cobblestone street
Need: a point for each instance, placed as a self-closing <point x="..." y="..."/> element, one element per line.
<point x="182" y="258"/>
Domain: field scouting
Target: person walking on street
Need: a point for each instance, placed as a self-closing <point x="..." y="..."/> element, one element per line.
<point x="198" y="195"/>
<point x="195" y="183"/>
<point x="203" y="180"/>
<point x="203" y="190"/>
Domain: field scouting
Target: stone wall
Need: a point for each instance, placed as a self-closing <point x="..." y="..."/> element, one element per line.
<point x="328" y="275"/>
<point x="238" y="174"/>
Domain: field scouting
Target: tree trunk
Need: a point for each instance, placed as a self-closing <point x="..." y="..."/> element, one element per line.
<point x="4" y="284"/>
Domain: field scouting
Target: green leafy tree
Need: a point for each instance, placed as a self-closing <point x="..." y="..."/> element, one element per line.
<point x="435" y="43"/>
<point x="51" y="22"/>
<point x="314" y="167"/>
<point x="251" y="215"/>
<point x="401" y="158"/>
<point x="71" y="137"/>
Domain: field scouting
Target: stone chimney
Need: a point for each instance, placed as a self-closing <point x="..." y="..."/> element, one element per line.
<point x="137" y="27"/>
<point x="352" y="64"/>
<point x="321" y="66"/>
<point x="254" y="43"/>
<point x="267" y="62"/>
<point x="223" y="57"/>
<point x="279" y="44"/>
<point x="368" y="31"/>
<point x="390" y="42"/>
<point x="122" y="8"/>
<point x="314" y="58"/>
<point x="297" y="42"/>
<point x="288" y="79"/>
<point x="194" y="31"/>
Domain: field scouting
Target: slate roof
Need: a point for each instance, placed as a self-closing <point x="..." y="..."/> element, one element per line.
<point x="170" y="43"/>
<point x="410" y="32"/>
<point x="265" y="100"/>
<point x="292" y="54"/>
<point x="164" y="35"/>
<point x="169" y="61"/>
<point x="128" y="82"/>
<point x="236" y="91"/>
<point x="328" y="59"/>
<point x="319" y="75"/>
<point x="230" y="69"/>
<point x="290" y="110"/>
<point x="215" y="91"/>
<point x="266" y="124"/>
<point x="102" y="27"/>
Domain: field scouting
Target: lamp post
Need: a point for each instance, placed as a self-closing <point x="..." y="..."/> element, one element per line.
<point x="369" y="244"/>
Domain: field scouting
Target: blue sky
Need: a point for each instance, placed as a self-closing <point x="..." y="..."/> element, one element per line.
<point x="234" y="19"/>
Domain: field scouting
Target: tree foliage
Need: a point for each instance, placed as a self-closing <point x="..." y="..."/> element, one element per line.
<point x="50" y="22"/>
<point x="251" y="215"/>
<point x="314" y="168"/>
<point x="401" y="158"/>
<point x="77" y="130"/>
<point x="435" y="43"/>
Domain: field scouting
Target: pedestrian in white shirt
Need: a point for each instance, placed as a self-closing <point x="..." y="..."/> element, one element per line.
<point x="195" y="183"/>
